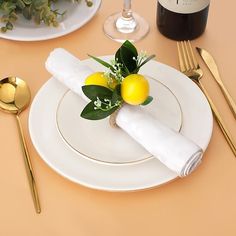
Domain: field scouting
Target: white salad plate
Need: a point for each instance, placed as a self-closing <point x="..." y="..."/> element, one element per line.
<point x="77" y="15"/>
<point x="46" y="124"/>
<point x="98" y="141"/>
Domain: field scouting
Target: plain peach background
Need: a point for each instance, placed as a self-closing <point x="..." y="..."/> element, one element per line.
<point x="201" y="204"/>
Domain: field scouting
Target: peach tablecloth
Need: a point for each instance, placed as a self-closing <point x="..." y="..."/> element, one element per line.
<point x="201" y="204"/>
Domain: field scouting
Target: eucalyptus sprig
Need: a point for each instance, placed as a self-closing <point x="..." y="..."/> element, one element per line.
<point x="105" y="101"/>
<point x="38" y="10"/>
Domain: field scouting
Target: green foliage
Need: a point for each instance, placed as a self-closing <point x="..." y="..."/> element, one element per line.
<point x="126" y="55"/>
<point x="94" y="91"/>
<point x="105" y="101"/>
<point x="127" y="61"/>
<point x="147" y="101"/>
<point x="39" y="10"/>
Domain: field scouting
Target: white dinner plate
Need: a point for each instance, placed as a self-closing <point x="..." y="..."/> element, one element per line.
<point x="112" y="145"/>
<point x="197" y="126"/>
<point x="76" y="16"/>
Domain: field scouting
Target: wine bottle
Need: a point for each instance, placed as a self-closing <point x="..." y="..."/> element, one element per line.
<point x="182" y="19"/>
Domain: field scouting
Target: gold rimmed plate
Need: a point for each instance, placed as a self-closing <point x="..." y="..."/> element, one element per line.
<point x="197" y="126"/>
<point x="98" y="141"/>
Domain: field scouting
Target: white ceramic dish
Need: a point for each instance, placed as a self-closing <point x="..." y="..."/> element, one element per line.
<point x="197" y="125"/>
<point x="76" y="16"/>
<point x="97" y="141"/>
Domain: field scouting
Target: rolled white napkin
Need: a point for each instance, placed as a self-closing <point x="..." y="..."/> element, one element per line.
<point x="174" y="150"/>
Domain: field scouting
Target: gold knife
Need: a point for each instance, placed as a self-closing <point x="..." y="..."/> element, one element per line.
<point x="211" y="64"/>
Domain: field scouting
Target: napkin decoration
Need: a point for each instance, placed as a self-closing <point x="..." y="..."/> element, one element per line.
<point x="120" y="84"/>
<point x="177" y="152"/>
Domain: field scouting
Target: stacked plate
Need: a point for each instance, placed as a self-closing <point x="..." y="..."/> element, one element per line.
<point x="95" y="155"/>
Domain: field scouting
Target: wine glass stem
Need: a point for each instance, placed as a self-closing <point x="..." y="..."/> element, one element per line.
<point x="127" y="11"/>
<point x="126" y="23"/>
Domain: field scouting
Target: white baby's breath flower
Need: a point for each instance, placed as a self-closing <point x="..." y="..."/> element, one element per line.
<point x="98" y="103"/>
<point x="142" y="56"/>
<point x="115" y="73"/>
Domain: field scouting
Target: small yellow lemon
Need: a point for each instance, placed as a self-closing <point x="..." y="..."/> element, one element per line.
<point x="97" y="78"/>
<point x="134" y="89"/>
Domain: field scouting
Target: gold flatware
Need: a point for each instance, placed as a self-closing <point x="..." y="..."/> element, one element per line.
<point x="211" y="64"/>
<point x="190" y="67"/>
<point x="14" y="98"/>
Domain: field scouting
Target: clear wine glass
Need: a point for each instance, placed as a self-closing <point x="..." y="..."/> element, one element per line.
<point x="126" y="25"/>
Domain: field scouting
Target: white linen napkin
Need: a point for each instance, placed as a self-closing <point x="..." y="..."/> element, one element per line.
<point x="174" y="150"/>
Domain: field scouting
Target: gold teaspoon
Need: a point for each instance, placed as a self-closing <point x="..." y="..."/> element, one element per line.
<point x="14" y="98"/>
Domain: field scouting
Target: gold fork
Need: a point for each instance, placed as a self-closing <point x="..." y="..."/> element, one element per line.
<point x="190" y="67"/>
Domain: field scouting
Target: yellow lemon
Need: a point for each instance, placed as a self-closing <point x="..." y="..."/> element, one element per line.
<point x="97" y="78"/>
<point x="134" y="89"/>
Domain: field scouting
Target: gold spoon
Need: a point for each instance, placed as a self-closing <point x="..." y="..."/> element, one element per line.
<point x="14" y="98"/>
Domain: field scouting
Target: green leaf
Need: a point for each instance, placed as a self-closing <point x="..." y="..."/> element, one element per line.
<point x="27" y="2"/>
<point x="147" y="101"/>
<point x="89" y="3"/>
<point x="116" y="95"/>
<point x="120" y="59"/>
<point x="104" y="63"/>
<point x="8" y="7"/>
<point x="13" y="16"/>
<point x="131" y="47"/>
<point x="27" y="13"/>
<point x="126" y="55"/>
<point x="94" y="91"/>
<point x="20" y="4"/>
<point x="3" y="29"/>
<point x="9" y="26"/>
<point x="90" y="113"/>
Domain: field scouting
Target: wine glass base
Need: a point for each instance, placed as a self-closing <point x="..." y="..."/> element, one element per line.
<point x="140" y="31"/>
